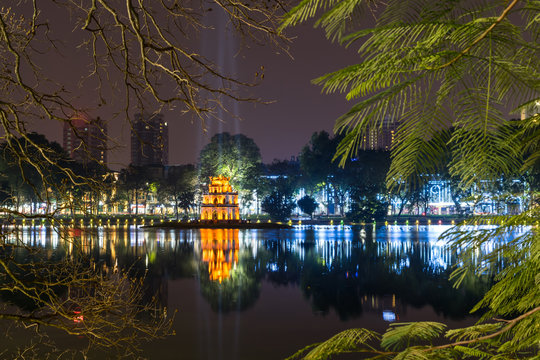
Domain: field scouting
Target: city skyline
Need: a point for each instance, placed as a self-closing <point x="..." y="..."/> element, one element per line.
<point x="288" y="111"/>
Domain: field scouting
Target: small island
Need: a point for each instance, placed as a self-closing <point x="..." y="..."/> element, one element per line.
<point x="219" y="225"/>
<point x="220" y="210"/>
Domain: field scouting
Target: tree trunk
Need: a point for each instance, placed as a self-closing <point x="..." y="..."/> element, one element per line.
<point x="136" y="201"/>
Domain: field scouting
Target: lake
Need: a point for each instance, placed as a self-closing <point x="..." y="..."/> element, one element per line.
<point x="263" y="294"/>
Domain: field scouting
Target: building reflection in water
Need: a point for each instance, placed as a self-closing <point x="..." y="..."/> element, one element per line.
<point x="349" y="269"/>
<point x="218" y="249"/>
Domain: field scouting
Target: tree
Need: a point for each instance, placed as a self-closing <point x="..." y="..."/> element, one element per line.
<point x="135" y="180"/>
<point x="279" y="204"/>
<point x="368" y="210"/>
<point x="308" y="205"/>
<point x="431" y="66"/>
<point x="234" y="156"/>
<point x="287" y="170"/>
<point x="321" y="172"/>
<point x="140" y="55"/>
<point x="365" y="176"/>
<point x="316" y="160"/>
<point x="27" y="180"/>
<point x="180" y="185"/>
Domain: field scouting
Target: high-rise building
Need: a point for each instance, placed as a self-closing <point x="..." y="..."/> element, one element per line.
<point x="85" y="139"/>
<point x="380" y="138"/>
<point x="149" y="140"/>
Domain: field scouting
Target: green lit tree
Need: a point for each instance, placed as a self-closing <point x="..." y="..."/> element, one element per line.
<point x="432" y="65"/>
<point x="233" y="156"/>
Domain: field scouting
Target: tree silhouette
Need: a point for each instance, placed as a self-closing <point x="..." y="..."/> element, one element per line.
<point x="308" y="205"/>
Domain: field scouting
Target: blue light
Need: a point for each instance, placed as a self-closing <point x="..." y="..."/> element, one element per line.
<point x="389" y="316"/>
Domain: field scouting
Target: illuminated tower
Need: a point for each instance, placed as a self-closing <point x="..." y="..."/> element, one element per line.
<point x="85" y="139"/>
<point x="149" y="140"/>
<point x="221" y="202"/>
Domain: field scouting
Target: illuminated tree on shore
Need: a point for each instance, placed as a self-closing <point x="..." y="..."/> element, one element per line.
<point x="234" y="156"/>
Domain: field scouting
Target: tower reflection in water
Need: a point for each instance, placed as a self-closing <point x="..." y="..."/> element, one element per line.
<point x="351" y="271"/>
<point x="218" y="249"/>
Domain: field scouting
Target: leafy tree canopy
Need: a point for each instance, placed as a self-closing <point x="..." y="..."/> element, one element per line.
<point x="279" y="204"/>
<point x="316" y="158"/>
<point x="233" y="156"/>
<point x="308" y="205"/>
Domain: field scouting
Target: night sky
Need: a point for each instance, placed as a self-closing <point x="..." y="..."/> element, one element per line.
<point x="280" y="129"/>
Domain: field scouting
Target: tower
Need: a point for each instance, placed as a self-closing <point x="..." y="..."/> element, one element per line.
<point x="149" y="140"/>
<point x="85" y="139"/>
<point x="221" y="202"/>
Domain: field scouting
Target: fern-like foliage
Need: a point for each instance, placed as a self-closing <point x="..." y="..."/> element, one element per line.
<point x="433" y="65"/>
<point x="448" y="72"/>
<point x="399" y="336"/>
<point x="351" y="340"/>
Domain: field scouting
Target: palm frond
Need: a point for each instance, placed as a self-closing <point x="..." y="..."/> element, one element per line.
<point x="304" y="11"/>
<point x="473" y="353"/>
<point x="472" y="332"/>
<point x="343" y="342"/>
<point x="400" y="335"/>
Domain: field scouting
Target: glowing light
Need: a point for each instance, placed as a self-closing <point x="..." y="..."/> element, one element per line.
<point x="78" y="318"/>
<point x="220" y="252"/>
<point x="389" y="316"/>
<point x="220" y="202"/>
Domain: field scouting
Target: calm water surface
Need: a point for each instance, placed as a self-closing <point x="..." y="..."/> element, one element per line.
<point x="263" y="294"/>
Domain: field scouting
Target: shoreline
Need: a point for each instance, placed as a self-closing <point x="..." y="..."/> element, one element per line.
<point x="152" y="222"/>
<point x="224" y="225"/>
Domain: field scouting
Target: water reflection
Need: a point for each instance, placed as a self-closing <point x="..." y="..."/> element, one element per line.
<point x="348" y="270"/>
<point x="218" y="249"/>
